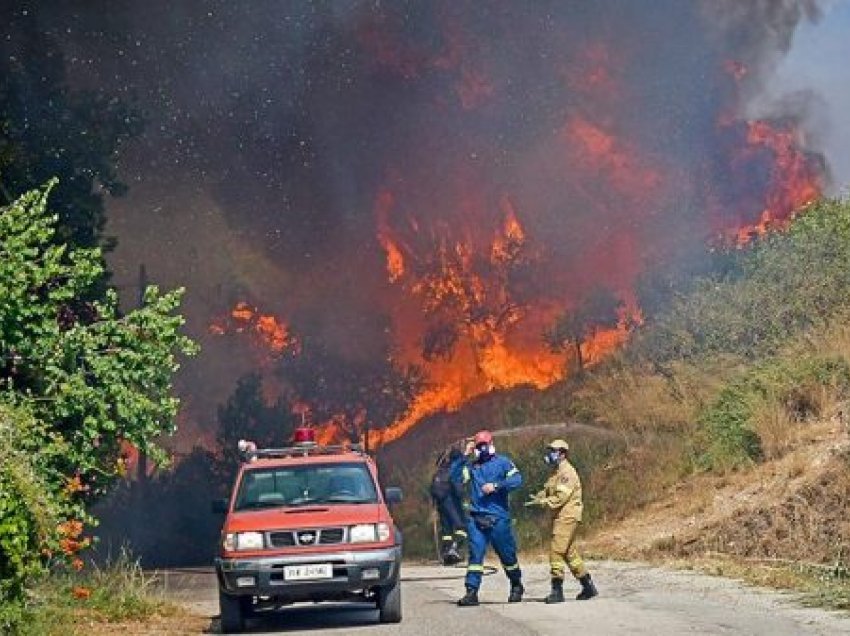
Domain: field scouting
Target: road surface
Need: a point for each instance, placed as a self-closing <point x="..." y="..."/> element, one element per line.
<point x="634" y="599"/>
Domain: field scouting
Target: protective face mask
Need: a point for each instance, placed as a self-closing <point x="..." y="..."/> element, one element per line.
<point x="483" y="451"/>
<point x="552" y="458"/>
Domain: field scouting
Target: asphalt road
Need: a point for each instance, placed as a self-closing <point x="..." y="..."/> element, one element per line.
<point x="634" y="599"/>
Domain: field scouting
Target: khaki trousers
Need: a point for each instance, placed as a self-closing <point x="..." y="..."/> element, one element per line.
<point x="562" y="550"/>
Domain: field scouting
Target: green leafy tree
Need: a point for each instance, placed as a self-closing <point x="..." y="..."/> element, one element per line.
<point x="600" y="309"/>
<point x="781" y="285"/>
<point x="96" y="377"/>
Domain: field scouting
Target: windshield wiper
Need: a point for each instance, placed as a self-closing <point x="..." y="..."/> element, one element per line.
<point x="306" y="501"/>
<point x="347" y="499"/>
<point x="260" y="504"/>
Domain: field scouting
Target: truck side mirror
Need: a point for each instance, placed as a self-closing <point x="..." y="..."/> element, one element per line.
<point x="219" y="506"/>
<point x="393" y="495"/>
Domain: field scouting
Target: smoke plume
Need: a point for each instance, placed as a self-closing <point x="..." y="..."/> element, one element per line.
<point x="418" y="191"/>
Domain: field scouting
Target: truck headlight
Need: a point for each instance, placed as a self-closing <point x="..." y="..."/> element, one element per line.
<point x="363" y="533"/>
<point x="383" y="531"/>
<point x="234" y="541"/>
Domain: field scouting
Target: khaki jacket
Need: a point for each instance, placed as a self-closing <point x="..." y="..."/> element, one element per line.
<point x="562" y="494"/>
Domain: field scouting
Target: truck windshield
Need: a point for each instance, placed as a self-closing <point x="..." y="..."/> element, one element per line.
<point x="303" y="485"/>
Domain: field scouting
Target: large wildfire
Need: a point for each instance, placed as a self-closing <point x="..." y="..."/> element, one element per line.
<point x="519" y="159"/>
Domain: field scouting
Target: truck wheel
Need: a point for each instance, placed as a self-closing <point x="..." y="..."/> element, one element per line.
<point x="231" y="610"/>
<point x="389" y="602"/>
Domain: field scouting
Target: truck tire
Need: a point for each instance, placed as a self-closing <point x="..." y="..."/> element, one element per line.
<point x="231" y="609"/>
<point x="389" y="602"/>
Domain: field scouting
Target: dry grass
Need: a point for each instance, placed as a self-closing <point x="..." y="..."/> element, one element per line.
<point x="635" y="399"/>
<point x="780" y="420"/>
<point x="774" y="427"/>
<point x="116" y="598"/>
<point x="792" y="509"/>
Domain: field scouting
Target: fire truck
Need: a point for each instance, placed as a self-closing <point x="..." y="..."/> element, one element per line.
<point x="307" y="523"/>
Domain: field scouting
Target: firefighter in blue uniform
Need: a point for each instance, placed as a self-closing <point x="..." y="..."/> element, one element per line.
<point x="490" y="478"/>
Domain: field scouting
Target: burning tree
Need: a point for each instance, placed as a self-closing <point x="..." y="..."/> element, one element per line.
<point x="453" y="201"/>
<point x="599" y="310"/>
<point x="348" y="396"/>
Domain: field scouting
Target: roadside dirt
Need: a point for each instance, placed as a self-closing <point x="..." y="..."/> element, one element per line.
<point x="185" y="623"/>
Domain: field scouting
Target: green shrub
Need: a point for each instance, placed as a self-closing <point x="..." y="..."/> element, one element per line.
<point x="79" y="379"/>
<point x="775" y="289"/>
<point x="729" y="437"/>
<point x="29" y="513"/>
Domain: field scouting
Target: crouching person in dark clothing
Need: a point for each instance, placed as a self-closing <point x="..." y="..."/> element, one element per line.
<point x="447" y="493"/>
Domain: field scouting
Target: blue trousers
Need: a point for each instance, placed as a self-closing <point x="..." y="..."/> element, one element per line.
<point x="501" y="537"/>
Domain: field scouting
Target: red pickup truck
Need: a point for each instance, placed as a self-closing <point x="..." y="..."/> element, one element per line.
<point x="307" y="523"/>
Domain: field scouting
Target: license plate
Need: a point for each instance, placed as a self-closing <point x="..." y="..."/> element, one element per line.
<point x="308" y="572"/>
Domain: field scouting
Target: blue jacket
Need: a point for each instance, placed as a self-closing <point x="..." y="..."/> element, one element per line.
<point x="498" y="470"/>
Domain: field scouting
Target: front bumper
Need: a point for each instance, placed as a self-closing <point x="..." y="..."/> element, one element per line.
<point x="348" y="569"/>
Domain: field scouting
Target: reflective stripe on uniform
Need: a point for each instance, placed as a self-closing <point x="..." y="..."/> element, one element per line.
<point x="474" y="568"/>
<point x="508" y="568"/>
<point x="466" y="475"/>
<point x="447" y="537"/>
<point x="512" y="471"/>
<point x="460" y="533"/>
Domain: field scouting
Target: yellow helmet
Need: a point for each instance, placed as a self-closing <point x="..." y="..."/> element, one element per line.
<point x="559" y="444"/>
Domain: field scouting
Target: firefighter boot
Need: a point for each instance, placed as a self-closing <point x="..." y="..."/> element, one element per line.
<point x="470" y="599"/>
<point x="557" y="593"/>
<point x="517" y="591"/>
<point x="450" y="555"/>
<point x="588" y="589"/>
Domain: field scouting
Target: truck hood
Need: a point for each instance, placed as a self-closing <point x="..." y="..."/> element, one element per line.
<point x="319" y="516"/>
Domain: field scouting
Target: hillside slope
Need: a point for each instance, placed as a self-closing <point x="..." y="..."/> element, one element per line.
<point x="724" y="415"/>
<point x="792" y="508"/>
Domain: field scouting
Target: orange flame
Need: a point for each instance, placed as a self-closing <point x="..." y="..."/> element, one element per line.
<point x="793" y="184"/>
<point x="492" y="341"/>
<point x="456" y="309"/>
<point x="267" y="330"/>
<point x="395" y="259"/>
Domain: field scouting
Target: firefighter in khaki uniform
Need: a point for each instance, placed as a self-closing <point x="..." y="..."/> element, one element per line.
<point x="561" y="494"/>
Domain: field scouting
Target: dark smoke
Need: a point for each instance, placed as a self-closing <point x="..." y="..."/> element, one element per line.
<point x="273" y="127"/>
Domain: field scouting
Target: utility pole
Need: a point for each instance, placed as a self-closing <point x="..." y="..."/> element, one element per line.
<point x="142" y="471"/>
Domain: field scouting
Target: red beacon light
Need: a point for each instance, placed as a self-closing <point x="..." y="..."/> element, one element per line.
<point x="304" y="436"/>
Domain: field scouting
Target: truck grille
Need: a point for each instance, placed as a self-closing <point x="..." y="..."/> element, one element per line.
<point x="332" y="535"/>
<point x="281" y="539"/>
<point x="305" y="537"/>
